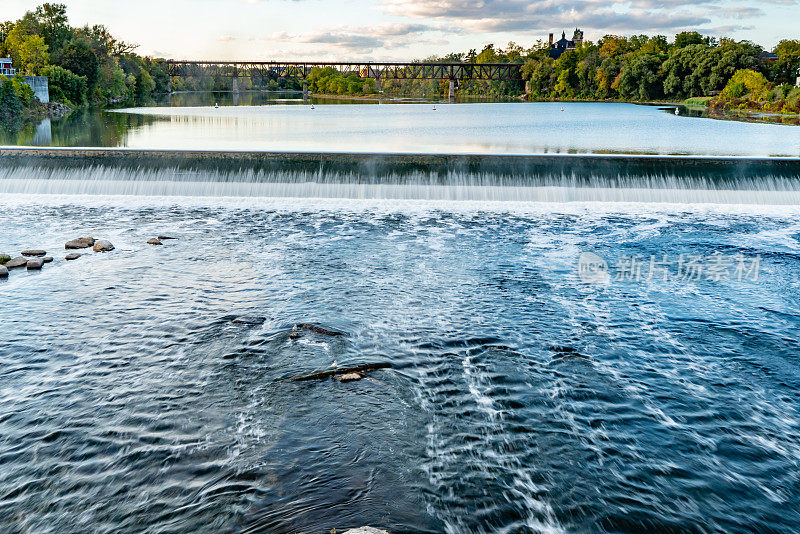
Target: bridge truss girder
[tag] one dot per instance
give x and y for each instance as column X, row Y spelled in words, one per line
column 382, row 71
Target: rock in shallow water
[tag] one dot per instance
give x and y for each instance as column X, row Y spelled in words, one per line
column 3, row 272
column 154, row 241
column 35, row 265
column 351, row 377
column 366, row 530
column 316, row 329
column 249, row 319
column 48, row 259
column 165, row 237
column 81, row 242
column 102, row 245
column 72, row 256
column 17, row 262
column 33, row 252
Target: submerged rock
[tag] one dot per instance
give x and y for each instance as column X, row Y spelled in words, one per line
column 154, row 241
column 294, row 335
column 17, row 262
column 4, row 258
column 48, row 259
column 35, row 265
column 3, row 272
column 366, row 530
column 165, row 237
column 81, row 242
column 34, row 252
column 72, row 256
column 249, row 319
column 103, row 245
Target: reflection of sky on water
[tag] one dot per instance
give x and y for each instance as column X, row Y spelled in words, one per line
column 509, row 128
column 464, row 128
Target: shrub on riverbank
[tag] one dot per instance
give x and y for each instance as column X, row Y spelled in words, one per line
column 65, row 86
column 750, row 90
column 16, row 97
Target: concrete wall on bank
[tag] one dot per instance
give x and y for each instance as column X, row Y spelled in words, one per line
column 40, row 87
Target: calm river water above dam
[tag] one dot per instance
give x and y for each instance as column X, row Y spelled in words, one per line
column 612, row 355
column 499, row 128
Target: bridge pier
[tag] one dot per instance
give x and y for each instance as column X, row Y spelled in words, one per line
column 236, row 85
column 305, row 91
column 169, row 85
column 452, row 92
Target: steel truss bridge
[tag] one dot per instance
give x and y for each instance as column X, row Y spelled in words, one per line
column 379, row 71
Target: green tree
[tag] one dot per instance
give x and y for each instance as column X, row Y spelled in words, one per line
column 639, row 78
column 53, row 26
column 28, row 50
column 785, row 70
column 79, row 58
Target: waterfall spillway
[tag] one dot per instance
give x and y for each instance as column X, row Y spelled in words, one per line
column 373, row 176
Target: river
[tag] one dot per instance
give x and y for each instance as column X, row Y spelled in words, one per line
column 562, row 354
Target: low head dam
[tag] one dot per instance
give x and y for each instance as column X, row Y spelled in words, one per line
column 556, row 177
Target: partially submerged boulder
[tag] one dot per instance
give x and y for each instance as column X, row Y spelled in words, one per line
column 165, row 237
column 17, row 262
column 48, row 259
column 317, row 329
column 34, row 253
column 249, row 320
column 351, row 377
column 102, row 245
column 80, row 243
column 3, row 272
column 72, row 256
column 154, row 241
column 35, row 265
column 366, row 530
column 344, row 372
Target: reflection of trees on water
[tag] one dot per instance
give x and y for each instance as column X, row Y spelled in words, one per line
column 86, row 127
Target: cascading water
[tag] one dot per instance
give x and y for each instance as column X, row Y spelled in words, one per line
column 148, row 182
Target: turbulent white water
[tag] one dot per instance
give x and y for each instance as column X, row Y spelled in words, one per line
column 415, row 186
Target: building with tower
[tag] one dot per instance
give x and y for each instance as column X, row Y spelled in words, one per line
column 562, row 45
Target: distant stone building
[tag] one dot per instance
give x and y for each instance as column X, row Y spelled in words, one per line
column 562, row 45
column 5, row 67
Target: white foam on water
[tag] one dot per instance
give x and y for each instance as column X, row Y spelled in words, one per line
column 94, row 181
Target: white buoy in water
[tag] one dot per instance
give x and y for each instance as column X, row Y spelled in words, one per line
column 216, row 105
column 677, row 111
column 312, row 106
column 562, row 108
column 434, row 107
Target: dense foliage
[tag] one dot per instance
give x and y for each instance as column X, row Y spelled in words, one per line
column 750, row 90
column 331, row 81
column 640, row 68
column 84, row 65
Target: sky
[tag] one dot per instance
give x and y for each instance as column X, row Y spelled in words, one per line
column 383, row 30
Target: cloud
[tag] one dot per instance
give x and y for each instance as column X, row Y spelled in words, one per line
column 492, row 16
column 362, row 39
